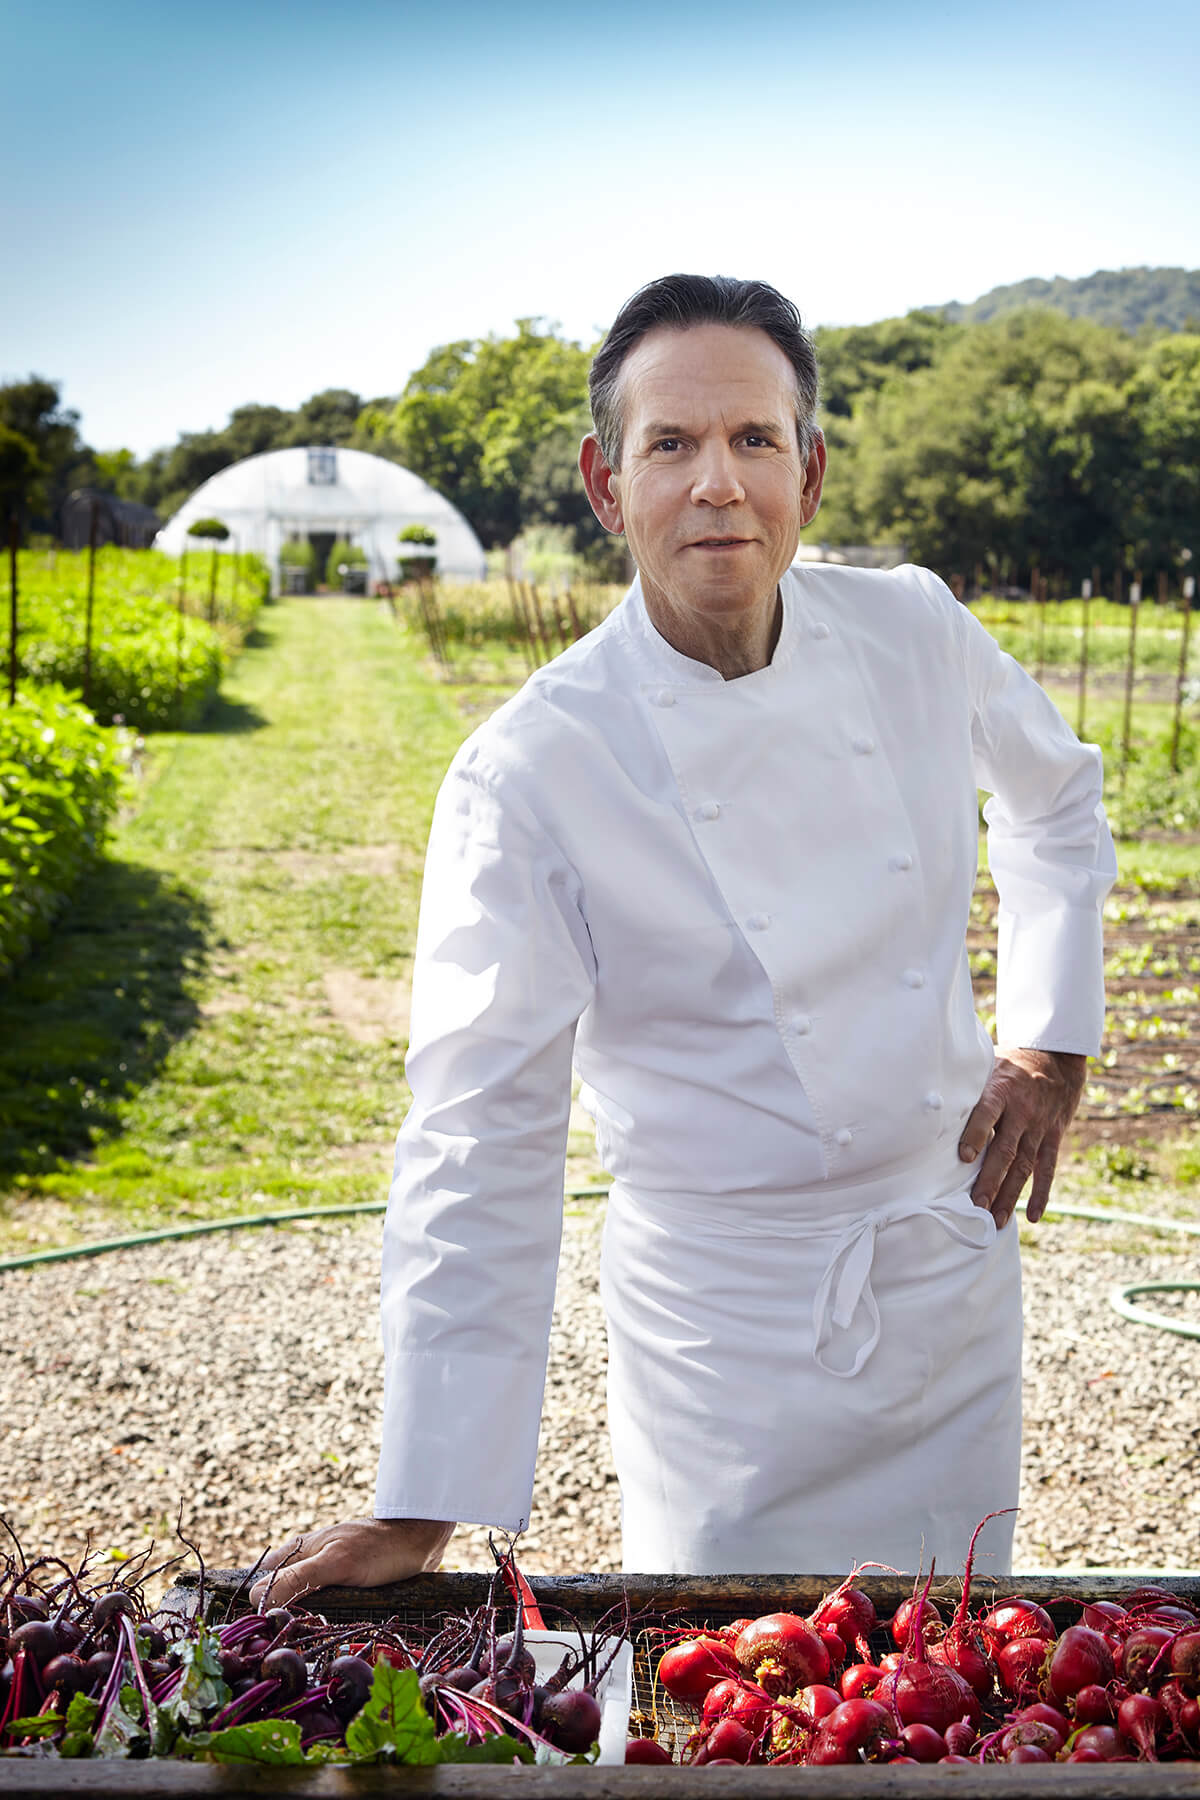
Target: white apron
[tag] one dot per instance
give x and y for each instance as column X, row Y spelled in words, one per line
column 833, row 1381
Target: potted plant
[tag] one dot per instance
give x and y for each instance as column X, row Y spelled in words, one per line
column 417, row 567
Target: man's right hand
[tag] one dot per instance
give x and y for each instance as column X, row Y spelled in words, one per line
column 356, row 1553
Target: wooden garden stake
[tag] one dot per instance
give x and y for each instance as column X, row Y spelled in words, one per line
column 1087, row 588
column 1189, row 589
column 517, row 598
column 91, row 601
column 1135, row 600
column 13, row 537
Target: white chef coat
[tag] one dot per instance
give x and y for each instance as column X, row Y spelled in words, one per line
column 741, row 907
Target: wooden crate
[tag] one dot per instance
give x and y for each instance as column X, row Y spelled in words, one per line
column 693, row 1601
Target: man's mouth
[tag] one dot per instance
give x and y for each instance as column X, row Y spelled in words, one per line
column 718, row 543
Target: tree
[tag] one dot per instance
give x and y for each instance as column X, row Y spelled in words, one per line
column 1003, row 448
column 472, row 417
column 330, row 417
column 20, row 470
column 33, row 410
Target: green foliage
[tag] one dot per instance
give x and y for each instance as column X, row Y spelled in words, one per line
column 32, row 410
column 1166, row 299
column 1031, row 439
column 214, row 529
column 20, row 468
column 60, row 784
column 417, row 534
column 150, row 666
column 471, row 418
column 343, row 552
column 298, row 553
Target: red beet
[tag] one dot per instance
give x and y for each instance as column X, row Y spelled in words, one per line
column 853, row 1726
column 1140, row 1718
column 860, row 1679
column 851, row 1613
column 901, row 1627
column 645, row 1750
column 1080, row 1658
column 1094, row 1706
column 783, row 1652
column 1141, row 1651
column 1101, row 1742
column 1017, row 1618
column 1185, row 1661
column 689, row 1669
column 729, row 1741
column 923, row 1743
column 1020, row 1665
column 817, row 1701
column 1028, row 1753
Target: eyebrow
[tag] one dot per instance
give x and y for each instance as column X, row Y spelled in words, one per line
column 762, row 427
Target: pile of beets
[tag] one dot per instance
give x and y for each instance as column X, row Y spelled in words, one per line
column 1002, row 1686
column 152, row 1679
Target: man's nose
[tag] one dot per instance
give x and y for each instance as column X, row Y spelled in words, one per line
column 716, row 481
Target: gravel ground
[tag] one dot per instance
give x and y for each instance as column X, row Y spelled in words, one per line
column 242, row 1372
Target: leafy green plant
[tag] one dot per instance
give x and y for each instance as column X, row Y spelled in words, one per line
column 412, row 567
column 343, row 553
column 60, row 785
column 215, row 529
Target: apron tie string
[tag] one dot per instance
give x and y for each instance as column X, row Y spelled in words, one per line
column 846, row 1283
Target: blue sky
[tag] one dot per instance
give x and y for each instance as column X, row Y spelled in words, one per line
column 206, row 206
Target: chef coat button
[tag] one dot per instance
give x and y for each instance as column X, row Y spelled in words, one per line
column 863, row 746
column 758, row 921
column 820, row 629
column 901, row 863
column 933, row 1101
column 913, row 978
column 709, row 810
column 664, row 697
column 801, row 1024
column 843, row 1137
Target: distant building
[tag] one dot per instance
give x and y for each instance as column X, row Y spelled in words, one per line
column 324, row 494
column 123, row 522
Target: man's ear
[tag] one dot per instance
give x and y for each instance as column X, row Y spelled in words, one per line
column 599, row 480
column 814, row 476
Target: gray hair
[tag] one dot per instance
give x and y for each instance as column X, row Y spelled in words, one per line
column 678, row 301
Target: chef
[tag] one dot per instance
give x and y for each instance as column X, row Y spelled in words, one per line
column 719, row 858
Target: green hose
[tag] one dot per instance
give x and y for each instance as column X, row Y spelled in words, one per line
column 1141, row 1315
column 1119, row 1297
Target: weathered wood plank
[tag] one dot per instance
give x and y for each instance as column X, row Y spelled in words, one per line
column 180, row 1781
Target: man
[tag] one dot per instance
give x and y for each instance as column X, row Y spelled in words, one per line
column 721, row 853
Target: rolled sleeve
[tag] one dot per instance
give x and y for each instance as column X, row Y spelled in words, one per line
column 502, row 972
column 1050, row 852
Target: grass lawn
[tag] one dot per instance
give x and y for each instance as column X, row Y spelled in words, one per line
column 219, row 1022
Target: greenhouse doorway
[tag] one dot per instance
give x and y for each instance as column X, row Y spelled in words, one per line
column 322, row 543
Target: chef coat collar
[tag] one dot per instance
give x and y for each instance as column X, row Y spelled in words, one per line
column 684, row 671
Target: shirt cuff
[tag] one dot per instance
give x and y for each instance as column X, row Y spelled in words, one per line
column 469, row 1428
column 1050, row 980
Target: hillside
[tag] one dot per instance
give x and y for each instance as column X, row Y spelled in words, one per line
column 1167, row 299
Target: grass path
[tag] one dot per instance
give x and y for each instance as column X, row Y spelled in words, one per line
column 218, row 1025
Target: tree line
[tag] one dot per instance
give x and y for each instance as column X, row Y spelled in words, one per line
column 1029, row 439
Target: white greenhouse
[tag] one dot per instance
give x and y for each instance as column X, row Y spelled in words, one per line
column 322, row 495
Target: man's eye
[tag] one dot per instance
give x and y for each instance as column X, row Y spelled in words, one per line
column 668, row 443
column 754, row 440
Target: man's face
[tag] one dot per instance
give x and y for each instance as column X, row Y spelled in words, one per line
column 712, row 492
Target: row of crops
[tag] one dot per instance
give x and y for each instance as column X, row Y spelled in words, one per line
column 98, row 652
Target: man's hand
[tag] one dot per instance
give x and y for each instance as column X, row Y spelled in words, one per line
column 356, row 1553
column 1019, row 1119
